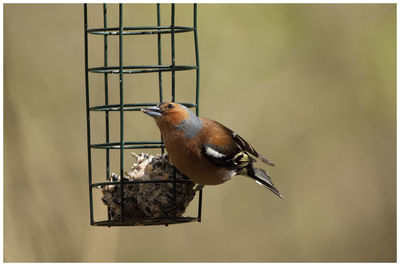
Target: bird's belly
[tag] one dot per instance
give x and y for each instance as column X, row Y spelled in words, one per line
column 205, row 175
column 189, row 160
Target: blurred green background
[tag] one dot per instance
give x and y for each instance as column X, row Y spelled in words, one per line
column 312, row 87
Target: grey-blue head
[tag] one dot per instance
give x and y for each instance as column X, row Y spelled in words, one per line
column 175, row 115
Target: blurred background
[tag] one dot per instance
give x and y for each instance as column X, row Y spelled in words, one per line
column 312, row 87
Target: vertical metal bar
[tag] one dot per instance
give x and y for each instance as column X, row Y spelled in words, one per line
column 173, row 52
column 159, row 62
column 173, row 81
column 106, row 100
column 88, row 114
column 200, row 205
column 159, row 53
column 196, row 45
column 121, row 102
column 106, row 89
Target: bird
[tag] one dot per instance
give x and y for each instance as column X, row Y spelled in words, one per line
column 204, row 150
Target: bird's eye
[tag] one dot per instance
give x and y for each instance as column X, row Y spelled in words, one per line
column 170, row 106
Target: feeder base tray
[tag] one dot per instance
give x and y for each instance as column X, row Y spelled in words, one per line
column 146, row 221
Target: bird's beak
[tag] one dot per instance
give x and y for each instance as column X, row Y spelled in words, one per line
column 153, row 111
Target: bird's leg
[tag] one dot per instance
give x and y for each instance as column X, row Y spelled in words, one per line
column 198, row 187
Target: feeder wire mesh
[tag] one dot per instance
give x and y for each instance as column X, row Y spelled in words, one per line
column 122, row 107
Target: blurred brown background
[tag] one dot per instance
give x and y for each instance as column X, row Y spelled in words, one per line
column 312, row 87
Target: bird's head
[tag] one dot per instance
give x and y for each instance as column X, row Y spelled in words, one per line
column 168, row 113
column 174, row 115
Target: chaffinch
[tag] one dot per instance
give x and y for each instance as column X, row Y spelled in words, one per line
column 204, row 150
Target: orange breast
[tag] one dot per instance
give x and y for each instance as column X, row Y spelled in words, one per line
column 186, row 155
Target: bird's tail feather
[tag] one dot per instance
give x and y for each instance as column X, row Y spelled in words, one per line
column 261, row 177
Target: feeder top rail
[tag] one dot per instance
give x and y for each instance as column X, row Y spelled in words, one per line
column 140, row 30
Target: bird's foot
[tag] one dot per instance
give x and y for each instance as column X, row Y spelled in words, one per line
column 198, row 187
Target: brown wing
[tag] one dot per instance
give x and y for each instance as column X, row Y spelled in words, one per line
column 247, row 147
column 225, row 147
column 219, row 146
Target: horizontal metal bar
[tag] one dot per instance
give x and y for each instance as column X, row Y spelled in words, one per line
column 101, row 184
column 146, row 221
column 129, row 145
column 139, row 30
column 130, row 107
column 139, row 69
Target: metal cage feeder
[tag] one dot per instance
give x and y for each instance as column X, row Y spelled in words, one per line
column 121, row 185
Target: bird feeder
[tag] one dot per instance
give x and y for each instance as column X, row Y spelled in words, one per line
column 151, row 191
